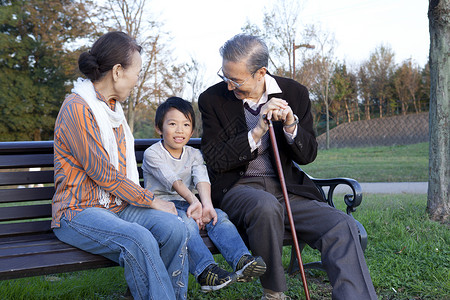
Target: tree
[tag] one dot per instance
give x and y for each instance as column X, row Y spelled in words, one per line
column 424, row 90
column 407, row 84
column 438, row 204
column 364, row 90
column 279, row 30
column 323, row 63
column 344, row 84
column 380, row 68
column 36, row 62
column 195, row 78
column 160, row 77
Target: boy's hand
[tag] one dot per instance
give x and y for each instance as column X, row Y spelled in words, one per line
column 209, row 213
column 163, row 205
column 194, row 211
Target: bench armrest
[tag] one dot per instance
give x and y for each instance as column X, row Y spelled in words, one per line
column 351, row 200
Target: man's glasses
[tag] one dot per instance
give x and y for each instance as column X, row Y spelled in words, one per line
column 233, row 83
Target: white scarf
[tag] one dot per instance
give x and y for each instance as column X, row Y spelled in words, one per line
column 106, row 121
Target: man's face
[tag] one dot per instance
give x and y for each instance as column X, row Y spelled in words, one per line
column 248, row 84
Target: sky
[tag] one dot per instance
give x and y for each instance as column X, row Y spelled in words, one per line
column 199, row 27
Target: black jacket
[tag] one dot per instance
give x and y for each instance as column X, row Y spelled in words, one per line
column 225, row 143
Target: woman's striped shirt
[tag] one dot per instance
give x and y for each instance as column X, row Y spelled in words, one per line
column 82, row 164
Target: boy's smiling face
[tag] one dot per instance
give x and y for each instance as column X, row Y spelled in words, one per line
column 176, row 132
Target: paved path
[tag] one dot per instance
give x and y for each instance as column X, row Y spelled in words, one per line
column 388, row 188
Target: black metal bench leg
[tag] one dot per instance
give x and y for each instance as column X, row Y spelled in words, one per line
column 293, row 267
column 127, row 295
column 293, row 264
column 362, row 235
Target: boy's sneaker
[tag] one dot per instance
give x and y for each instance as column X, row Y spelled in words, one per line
column 214, row 278
column 250, row 267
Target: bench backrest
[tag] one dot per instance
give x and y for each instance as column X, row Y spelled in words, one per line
column 27, row 186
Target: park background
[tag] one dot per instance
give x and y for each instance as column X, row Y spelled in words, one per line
column 41, row 42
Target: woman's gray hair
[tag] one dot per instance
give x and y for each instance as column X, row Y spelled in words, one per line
column 251, row 49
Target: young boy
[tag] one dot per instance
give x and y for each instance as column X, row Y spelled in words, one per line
column 171, row 171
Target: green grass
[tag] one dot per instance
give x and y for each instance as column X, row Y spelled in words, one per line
column 373, row 164
column 408, row 257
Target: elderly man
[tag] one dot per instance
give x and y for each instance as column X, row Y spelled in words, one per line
column 245, row 185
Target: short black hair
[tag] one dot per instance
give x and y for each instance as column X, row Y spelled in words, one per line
column 185, row 107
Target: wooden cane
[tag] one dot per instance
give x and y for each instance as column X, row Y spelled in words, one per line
column 288, row 205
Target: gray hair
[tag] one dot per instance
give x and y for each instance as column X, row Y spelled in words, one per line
column 247, row 48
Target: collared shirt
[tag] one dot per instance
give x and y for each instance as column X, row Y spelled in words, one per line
column 271, row 88
column 82, row 164
column 161, row 170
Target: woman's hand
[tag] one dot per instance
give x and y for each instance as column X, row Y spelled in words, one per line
column 163, row 205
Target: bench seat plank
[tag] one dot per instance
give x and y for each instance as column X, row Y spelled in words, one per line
column 14, row 229
column 26, row 194
column 25, row 212
column 26, row 161
column 45, row 263
column 18, row 178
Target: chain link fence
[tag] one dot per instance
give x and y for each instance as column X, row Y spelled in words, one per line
column 387, row 131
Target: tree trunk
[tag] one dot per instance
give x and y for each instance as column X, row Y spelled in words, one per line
column 328, row 117
column 438, row 205
column 131, row 111
column 380, row 106
column 357, row 113
column 367, row 110
column 131, row 116
column 37, row 134
column 347, row 110
column 415, row 104
column 327, row 135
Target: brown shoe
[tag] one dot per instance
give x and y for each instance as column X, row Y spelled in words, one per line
column 274, row 296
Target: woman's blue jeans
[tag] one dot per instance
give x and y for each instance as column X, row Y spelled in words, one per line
column 149, row 244
column 224, row 235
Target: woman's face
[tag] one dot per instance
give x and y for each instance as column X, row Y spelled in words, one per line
column 127, row 78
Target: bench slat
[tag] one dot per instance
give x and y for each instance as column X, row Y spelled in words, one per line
column 21, row 248
column 25, row 178
column 14, row 229
column 50, row 263
column 26, row 194
column 25, row 212
column 27, row 147
column 26, row 161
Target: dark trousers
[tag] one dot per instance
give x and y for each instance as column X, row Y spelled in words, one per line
column 256, row 206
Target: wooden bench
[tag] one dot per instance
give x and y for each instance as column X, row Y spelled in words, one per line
column 28, row 246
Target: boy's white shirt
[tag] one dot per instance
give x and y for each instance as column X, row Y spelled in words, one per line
column 161, row 170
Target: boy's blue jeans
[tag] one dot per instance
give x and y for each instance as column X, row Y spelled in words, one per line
column 224, row 235
column 149, row 244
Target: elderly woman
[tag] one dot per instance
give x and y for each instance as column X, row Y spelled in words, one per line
column 99, row 205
